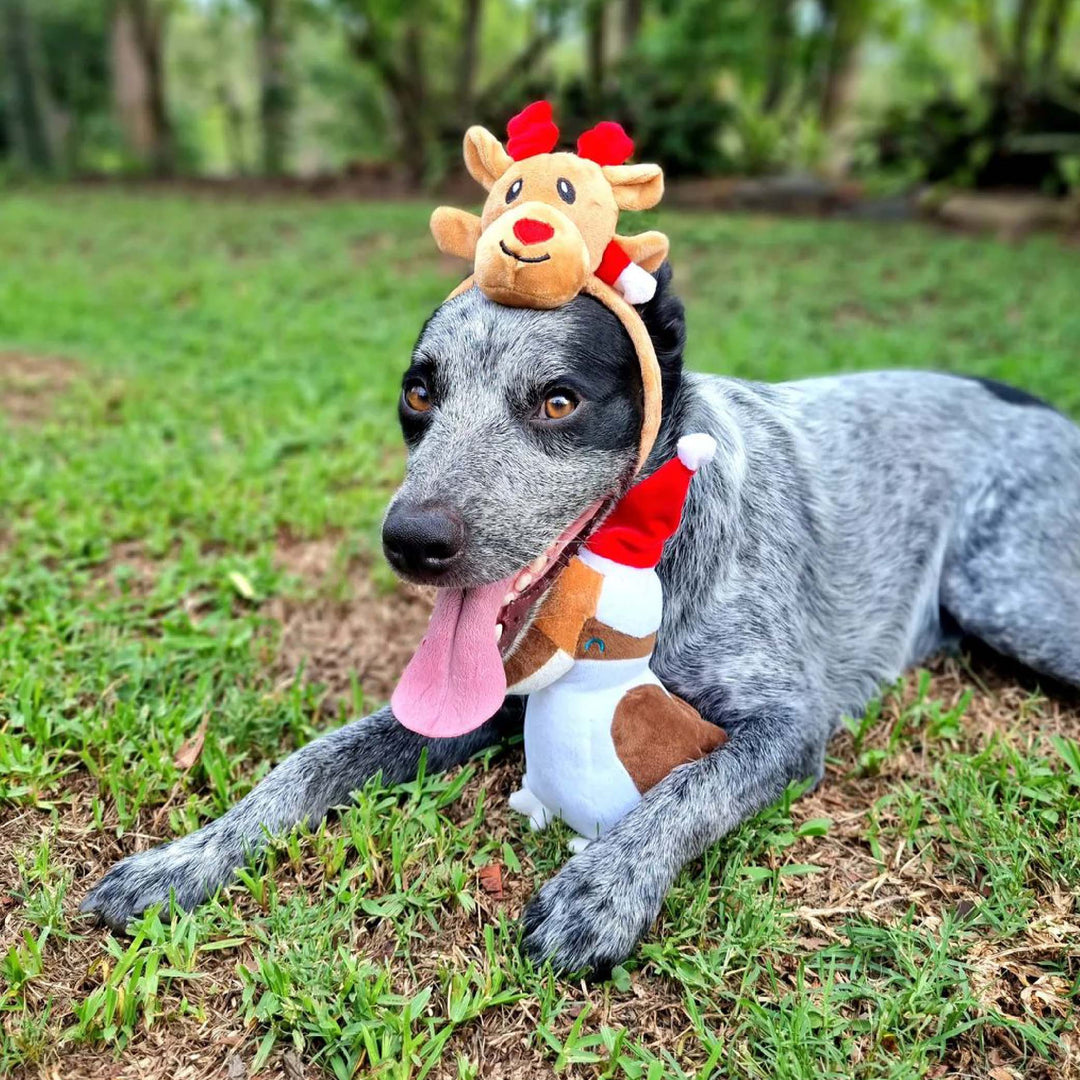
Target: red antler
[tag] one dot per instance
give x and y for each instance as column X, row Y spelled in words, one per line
column 532, row 131
column 606, row 144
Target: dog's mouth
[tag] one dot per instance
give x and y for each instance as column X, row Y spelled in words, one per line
column 532, row 583
column 523, row 258
column 456, row 680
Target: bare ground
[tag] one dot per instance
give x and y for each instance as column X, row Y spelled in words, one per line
column 29, row 385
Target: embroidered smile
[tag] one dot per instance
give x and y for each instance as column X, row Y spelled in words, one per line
column 523, row 258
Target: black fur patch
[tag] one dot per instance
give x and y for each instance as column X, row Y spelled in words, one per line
column 601, row 351
column 1013, row 395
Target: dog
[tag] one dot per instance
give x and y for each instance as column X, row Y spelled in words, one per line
column 850, row 527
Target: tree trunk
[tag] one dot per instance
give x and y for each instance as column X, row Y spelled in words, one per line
column 275, row 93
column 633, row 14
column 1052, row 32
column 841, row 62
column 138, row 79
column 777, row 55
column 595, row 50
column 1018, row 67
column 471, row 15
column 28, row 106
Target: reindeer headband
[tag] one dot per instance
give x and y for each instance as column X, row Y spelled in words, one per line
column 547, row 230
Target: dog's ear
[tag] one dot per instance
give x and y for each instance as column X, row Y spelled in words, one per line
column 665, row 319
column 636, row 187
column 485, row 157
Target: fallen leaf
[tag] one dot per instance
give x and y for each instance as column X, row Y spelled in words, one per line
column 491, row 880
column 237, row 1069
column 189, row 751
column 241, row 584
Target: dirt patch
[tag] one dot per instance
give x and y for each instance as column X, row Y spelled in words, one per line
column 344, row 630
column 29, row 385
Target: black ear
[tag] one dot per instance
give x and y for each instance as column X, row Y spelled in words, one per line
column 665, row 319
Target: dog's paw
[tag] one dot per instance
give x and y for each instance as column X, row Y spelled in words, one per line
column 187, row 870
column 592, row 913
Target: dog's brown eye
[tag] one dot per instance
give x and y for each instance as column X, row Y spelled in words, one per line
column 417, row 397
column 559, row 406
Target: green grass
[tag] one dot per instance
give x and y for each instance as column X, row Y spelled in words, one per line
column 231, row 376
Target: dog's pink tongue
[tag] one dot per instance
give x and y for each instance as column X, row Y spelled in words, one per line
column 455, row 680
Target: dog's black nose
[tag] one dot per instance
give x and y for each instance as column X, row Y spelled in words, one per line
column 423, row 540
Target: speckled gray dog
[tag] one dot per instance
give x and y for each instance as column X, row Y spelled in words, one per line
column 849, row 527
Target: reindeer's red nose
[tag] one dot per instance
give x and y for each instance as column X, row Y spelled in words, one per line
column 531, row 231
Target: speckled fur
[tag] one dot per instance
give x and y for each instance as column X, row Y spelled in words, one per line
column 848, row 528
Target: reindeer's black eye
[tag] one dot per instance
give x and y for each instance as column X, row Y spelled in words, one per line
column 514, row 190
column 565, row 189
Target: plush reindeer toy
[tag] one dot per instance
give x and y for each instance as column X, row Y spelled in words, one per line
column 600, row 728
column 549, row 219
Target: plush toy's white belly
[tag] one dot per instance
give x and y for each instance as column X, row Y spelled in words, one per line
column 570, row 757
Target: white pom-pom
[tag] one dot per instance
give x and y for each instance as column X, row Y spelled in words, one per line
column 696, row 450
column 637, row 285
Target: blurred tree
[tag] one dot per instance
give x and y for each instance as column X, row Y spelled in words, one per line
column 137, row 53
column 468, row 59
column 27, row 92
column 845, row 25
column 408, row 45
column 276, row 95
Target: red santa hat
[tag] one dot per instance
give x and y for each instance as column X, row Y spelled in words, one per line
column 635, row 532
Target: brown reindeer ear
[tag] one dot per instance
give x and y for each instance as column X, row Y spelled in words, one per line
column 456, row 231
column 636, row 187
column 485, row 157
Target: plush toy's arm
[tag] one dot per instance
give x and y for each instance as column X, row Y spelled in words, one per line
column 618, row 269
column 456, row 232
column 647, row 249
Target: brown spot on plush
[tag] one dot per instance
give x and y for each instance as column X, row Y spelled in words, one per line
column 535, row 650
column 572, row 600
column 655, row 731
column 598, row 641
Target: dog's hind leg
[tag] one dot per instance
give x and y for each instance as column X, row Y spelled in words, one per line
column 303, row 787
column 1012, row 575
column 593, row 911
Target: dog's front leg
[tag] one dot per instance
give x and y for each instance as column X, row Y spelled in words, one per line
column 592, row 913
column 303, row 787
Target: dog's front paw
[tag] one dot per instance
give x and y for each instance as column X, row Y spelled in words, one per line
column 592, row 913
column 188, row 869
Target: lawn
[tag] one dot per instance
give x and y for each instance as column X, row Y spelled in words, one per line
column 197, row 437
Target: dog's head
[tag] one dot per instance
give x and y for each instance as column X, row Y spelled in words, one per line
column 523, row 429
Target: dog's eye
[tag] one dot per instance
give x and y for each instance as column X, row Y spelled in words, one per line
column 417, row 396
column 565, row 189
column 560, row 405
column 514, row 190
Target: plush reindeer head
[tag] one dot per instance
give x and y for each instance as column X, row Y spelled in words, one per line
column 549, row 221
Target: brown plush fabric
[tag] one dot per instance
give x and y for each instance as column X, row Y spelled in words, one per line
column 636, row 187
column 485, row 157
column 616, row 645
column 533, row 652
column 456, row 232
column 570, row 602
column 647, row 249
column 655, row 731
